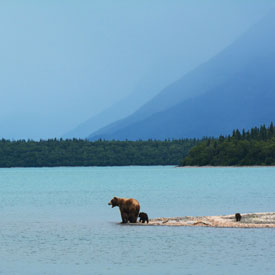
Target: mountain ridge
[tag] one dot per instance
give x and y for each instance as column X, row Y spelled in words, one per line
column 251, row 57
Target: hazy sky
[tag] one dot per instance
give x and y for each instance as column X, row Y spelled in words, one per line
column 63, row 61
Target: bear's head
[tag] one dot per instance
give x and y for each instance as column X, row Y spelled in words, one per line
column 113, row 202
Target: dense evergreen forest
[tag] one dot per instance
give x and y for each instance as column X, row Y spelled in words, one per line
column 254, row 147
column 55, row 152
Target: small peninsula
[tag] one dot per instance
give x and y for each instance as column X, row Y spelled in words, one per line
column 249, row 220
column 243, row 148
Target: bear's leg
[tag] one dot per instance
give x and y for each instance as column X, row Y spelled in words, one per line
column 132, row 219
column 124, row 217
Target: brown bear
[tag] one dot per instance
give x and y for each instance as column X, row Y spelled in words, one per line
column 129, row 208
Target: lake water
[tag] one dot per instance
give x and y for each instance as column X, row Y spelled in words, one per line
column 57, row 221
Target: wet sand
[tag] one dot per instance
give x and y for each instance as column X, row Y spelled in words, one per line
column 249, row 220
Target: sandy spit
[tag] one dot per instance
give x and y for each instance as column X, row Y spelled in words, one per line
column 249, row 220
column 231, row 166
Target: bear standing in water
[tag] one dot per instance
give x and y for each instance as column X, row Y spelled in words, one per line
column 238, row 217
column 143, row 217
column 129, row 208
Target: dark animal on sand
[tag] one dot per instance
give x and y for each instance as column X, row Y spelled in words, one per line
column 129, row 209
column 143, row 217
column 238, row 217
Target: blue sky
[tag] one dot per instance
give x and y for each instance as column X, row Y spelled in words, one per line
column 65, row 61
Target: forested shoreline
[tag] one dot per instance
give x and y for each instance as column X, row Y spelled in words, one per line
column 77, row 152
column 246, row 148
column 252, row 147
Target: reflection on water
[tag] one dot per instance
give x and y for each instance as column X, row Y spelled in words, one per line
column 57, row 221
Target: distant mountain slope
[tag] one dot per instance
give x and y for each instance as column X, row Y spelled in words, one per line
column 117, row 111
column 235, row 89
column 209, row 115
column 146, row 88
column 123, row 108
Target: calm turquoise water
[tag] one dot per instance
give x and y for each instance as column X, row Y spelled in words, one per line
column 57, row 221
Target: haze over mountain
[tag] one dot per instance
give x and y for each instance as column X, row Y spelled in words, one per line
column 146, row 89
column 235, row 89
column 63, row 62
column 183, row 39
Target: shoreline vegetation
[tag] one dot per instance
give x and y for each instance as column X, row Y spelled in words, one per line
column 77, row 152
column 249, row 220
column 252, row 148
column 247, row 148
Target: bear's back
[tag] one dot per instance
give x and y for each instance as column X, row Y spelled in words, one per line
column 129, row 204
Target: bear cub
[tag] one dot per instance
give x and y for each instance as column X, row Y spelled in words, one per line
column 238, row 217
column 143, row 217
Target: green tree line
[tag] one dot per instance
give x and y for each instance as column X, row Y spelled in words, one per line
column 253, row 147
column 77, row 152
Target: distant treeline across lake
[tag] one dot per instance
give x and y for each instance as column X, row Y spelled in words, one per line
column 254, row 147
column 76, row 152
